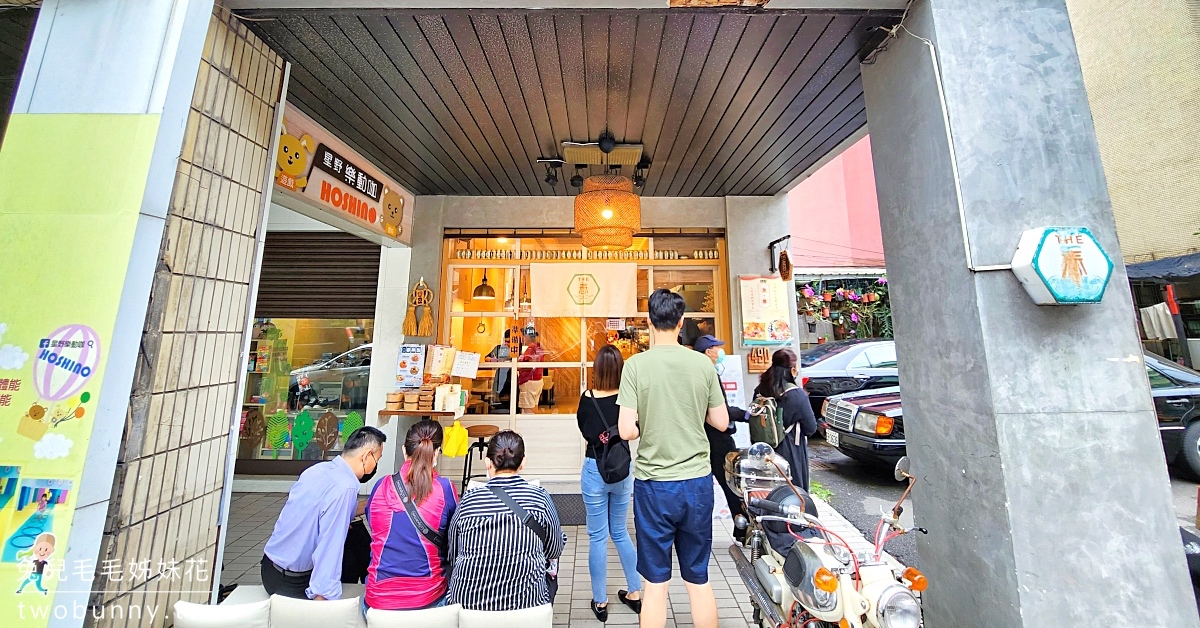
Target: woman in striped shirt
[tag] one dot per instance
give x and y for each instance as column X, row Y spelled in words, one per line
column 406, row 570
column 499, row 562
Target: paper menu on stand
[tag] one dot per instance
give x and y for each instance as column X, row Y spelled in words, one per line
column 439, row 359
column 466, row 364
column 410, row 367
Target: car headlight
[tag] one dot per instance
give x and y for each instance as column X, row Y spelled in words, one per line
column 824, row 407
column 873, row 424
column 898, row 608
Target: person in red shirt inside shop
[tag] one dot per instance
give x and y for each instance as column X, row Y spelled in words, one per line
column 529, row 381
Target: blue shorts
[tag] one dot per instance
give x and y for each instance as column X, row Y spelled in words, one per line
column 678, row 513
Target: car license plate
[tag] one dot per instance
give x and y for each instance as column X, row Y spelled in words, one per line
column 831, row 437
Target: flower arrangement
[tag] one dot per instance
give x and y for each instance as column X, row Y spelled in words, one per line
column 858, row 310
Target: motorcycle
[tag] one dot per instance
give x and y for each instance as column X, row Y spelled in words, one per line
column 802, row 575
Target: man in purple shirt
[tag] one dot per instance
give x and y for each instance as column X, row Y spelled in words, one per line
column 303, row 558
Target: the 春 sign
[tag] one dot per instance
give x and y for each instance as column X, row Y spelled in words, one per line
column 1062, row 266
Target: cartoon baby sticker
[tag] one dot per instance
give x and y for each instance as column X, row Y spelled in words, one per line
column 39, row 557
column 291, row 162
column 31, row 425
column 393, row 212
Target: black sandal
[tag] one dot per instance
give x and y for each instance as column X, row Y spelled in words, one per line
column 601, row 612
column 635, row 605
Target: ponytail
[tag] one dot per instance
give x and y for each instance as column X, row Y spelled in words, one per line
column 420, row 446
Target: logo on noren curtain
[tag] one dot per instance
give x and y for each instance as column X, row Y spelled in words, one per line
column 583, row 289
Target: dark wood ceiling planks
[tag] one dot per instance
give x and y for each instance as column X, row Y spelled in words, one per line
column 16, row 27
column 463, row 102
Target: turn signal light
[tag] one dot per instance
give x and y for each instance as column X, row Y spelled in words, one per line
column 916, row 580
column 884, row 425
column 843, row 623
column 825, row 580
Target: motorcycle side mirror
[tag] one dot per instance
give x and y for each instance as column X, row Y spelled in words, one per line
column 902, row 468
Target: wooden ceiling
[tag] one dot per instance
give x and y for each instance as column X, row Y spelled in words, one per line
column 726, row 102
column 16, row 27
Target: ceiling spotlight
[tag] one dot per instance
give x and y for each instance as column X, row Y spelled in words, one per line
column 639, row 180
column 607, row 142
column 551, row 176
column 577, row 180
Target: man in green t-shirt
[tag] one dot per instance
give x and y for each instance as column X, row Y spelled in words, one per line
column 666, row 396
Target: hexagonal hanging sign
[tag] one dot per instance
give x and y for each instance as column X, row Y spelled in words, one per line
column 583, row 289
column 1062, row 266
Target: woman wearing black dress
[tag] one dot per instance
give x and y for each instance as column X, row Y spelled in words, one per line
column 799, row 422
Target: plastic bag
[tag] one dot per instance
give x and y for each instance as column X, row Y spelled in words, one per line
column 455, row 442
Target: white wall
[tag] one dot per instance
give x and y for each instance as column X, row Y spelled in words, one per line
column 280, row 218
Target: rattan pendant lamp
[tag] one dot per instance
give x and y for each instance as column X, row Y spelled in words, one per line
column 607, row 212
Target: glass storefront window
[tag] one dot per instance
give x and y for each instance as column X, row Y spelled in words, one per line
column 568, row 345
column 631, row 337
column 489, row 336
column 696, row 286
column 559, row 338
column 643, row 289
column 306, row 387
column 469, row 294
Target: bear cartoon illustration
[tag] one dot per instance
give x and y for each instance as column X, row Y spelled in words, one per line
column 292, row 160
column 393, row 212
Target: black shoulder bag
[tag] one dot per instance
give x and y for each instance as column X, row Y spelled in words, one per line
column 613, row 456
column 533, row 524
column 431, row 535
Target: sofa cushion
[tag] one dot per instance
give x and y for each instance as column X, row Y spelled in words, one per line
column 445, row 617
column 536, row 617
column 252, row 615
column 247, row 594
column 292, row 613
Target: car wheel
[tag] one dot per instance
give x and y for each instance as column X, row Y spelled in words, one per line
column 1191, row 448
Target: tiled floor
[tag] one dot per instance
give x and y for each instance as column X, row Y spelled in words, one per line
column 252, row 517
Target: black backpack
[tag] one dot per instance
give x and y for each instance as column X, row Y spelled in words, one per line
column 612, row 456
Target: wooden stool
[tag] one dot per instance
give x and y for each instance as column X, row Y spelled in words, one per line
column 480, row 433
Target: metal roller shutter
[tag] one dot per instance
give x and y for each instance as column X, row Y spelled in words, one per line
column 317, row 274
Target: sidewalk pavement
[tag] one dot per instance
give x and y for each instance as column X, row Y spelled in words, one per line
column 252, row 517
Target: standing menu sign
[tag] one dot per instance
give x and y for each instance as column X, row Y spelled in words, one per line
column 766, row 311
column 410, row 367
column 315, row 165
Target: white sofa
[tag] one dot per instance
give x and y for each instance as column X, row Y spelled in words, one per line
column 251, row 607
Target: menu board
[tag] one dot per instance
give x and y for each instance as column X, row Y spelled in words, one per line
column 439, row 360
column 410, row 368
column 766, row 311
column 466, row 364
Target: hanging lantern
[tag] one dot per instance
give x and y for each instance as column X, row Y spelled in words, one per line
column 607, row 212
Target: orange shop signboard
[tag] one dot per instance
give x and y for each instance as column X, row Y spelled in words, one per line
column 320, row 168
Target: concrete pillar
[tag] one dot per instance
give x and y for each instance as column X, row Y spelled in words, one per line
column 391, row 303
column 1042, row 478
column 751, row 222
column 87, row 169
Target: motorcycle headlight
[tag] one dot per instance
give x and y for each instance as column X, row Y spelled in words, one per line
column 873, row 424
column 898, row 608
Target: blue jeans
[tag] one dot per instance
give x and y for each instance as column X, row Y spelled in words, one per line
column 607, row 507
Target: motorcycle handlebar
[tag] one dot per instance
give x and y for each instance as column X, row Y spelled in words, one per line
column 765, row 505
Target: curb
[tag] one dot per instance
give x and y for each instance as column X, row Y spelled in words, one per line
column 839, row 525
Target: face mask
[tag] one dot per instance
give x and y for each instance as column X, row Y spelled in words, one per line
column 720, row 356
column 367, row 477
